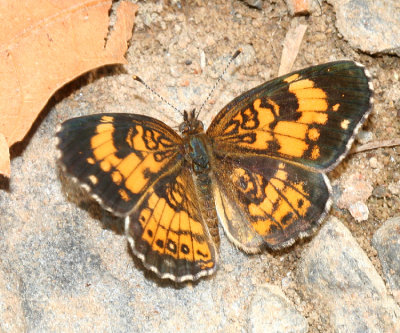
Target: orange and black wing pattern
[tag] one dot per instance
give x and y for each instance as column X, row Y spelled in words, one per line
column 271, row 145
column 117, row 157
column 268, row 202
column 308, row 117
column 166, row 230
column 134, row 166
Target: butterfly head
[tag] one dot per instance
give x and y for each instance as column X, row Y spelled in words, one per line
column 191, row 125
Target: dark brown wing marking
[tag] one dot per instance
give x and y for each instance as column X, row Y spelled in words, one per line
column 308, row 117
column 117, row 156
column 167, row 232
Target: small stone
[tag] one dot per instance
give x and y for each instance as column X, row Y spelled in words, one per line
column 380, row 191
column 300, row 7
column 184, row 40
column 177, row 28
column 286, row 281
column 271, row 311
column 356, row 189
column 254, row 3
column 394, row 188
column 374, row 164
column 337, row 275
column 359, row 211
column 364, row 136
column 386, row 241
column 210, row 41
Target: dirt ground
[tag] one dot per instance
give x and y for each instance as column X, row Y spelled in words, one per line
column 166, row 51
column 181, row 47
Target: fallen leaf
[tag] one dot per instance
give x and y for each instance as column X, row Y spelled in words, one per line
column 44, row 46
column 291, row 46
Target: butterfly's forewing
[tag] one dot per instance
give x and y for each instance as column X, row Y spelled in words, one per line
column 167, row 232
column 271, row 144
column 117, row 156
column 307, row 117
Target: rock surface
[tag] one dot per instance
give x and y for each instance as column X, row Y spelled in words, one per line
column 272, row 312
column 368, row 25
column 387, row 242
column 339, row 277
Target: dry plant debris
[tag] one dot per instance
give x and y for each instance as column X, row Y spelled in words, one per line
column 42, row 47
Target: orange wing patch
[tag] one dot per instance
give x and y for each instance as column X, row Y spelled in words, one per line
column 173, row 232
column 279, row 202
column 168, row 225
column 267, row 202
column 150, row 153
column 117, row 156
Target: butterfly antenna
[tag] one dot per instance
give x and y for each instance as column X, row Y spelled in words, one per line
column 137, row 78
column 234, row 56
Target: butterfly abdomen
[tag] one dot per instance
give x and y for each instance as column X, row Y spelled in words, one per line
column 198, row 155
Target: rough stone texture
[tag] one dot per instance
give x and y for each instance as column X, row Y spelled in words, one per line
column 272, row 312
column 65, row 264
column 356, row 188
column 11, row 311
column 359, row 211
column 355, row 191
column 371, row 26
column 387, row 242
column 338, row 275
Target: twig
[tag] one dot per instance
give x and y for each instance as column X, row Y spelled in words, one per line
column 376, row 145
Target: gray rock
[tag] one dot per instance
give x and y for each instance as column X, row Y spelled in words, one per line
column 387, row 242
column 371, row 26
column 271, row 311
column 254, row 3
column 11, row 314
column 338, row 276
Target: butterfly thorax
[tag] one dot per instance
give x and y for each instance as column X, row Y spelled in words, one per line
column 197, row 156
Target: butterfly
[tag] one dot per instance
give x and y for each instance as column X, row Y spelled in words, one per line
column 259, row 169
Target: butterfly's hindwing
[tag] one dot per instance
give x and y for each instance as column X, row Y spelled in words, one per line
column 166, row 230
column 270, row 200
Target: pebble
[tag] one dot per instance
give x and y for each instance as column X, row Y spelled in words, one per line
column 394, row 188
column 254, row 3
column 380, row 191
column 364, row 136
column 374, row 164
column 359, row 211
column 356, row 189
column 338, row 276
column 300, row 7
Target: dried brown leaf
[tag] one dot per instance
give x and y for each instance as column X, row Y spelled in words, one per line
column 42, row 47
